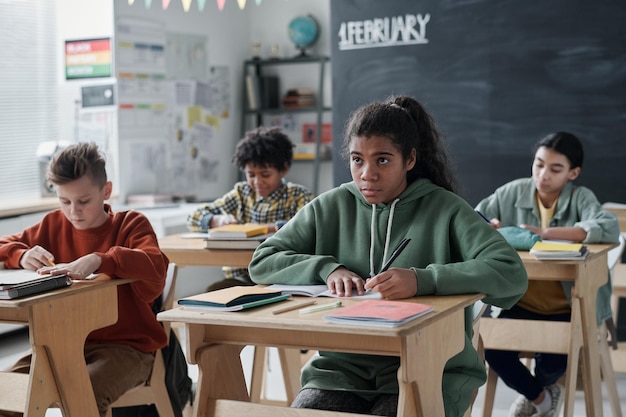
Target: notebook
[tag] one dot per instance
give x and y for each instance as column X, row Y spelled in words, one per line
column 236, row 243
column 16, row 284
column 233, row 299
column 379, row 313
column 316, row 290
column 237, row 231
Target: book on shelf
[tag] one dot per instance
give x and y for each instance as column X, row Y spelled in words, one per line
column 316, row 290
column 378, row 313
column 558, row 250
column 299, row 97
column 309, row 131
column 22, row 282
column 262, row 92
column 230, row 231
column 236, row 243
column 233, row 299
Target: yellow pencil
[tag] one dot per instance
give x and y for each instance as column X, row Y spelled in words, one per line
column 51, row 262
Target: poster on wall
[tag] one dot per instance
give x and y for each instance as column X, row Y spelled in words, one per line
column 87, row 58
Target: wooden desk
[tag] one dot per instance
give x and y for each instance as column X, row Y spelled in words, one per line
column 424, row 346
column 579, row 335
column 191, row 252
column 59, row 323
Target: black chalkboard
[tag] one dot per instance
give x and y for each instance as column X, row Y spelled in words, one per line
column 497, row 76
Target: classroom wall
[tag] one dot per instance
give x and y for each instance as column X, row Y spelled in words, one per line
column 229, row 34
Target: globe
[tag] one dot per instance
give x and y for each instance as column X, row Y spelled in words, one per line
column 303, row 32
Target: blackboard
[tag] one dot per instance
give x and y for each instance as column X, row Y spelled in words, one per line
column 496, row 75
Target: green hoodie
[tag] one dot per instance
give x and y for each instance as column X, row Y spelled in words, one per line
column 452, row 251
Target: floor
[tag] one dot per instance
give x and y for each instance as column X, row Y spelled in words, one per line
column 11, row 345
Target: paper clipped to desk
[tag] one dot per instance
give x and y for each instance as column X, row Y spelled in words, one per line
column 320, row 290
column 237, row 231
column 232, row 299
column 379, row 313
column 557, row 250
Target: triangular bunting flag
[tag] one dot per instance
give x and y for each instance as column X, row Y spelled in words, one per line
column 242, row 4
column 186, row 5
column 148, row 3
column 201, row 4
column 130, row 2
column 166, row 4
column 258, row 2
column 220, row 4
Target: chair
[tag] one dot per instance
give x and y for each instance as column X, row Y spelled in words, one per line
column 618, row 277
column 154, row 391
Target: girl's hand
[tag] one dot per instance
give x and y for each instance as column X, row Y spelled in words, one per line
column 36, row 258
column 342, row 281
column 394, row 284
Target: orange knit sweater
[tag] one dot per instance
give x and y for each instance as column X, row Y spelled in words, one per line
column 128, row 248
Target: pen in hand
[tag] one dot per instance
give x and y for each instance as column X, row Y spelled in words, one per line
column 483, row 216
column 403, row 243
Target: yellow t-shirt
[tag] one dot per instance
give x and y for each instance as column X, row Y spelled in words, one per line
column 545, row 297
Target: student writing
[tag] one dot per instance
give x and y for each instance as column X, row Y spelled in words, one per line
column 85, row 236
column 264, row 155
column 552, row 206
column 402, row 187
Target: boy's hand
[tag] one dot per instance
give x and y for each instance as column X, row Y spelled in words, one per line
column 222, row 220
column 36, row 258
column 81, row 268
column 394, row 284
column 341, row 282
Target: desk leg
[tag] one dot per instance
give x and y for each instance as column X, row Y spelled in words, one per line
column 219, row 377
column 573, row 357
column 58, row 332
column 593, row 275
column 423, row 358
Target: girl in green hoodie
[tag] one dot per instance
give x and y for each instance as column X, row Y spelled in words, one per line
column 402, row 187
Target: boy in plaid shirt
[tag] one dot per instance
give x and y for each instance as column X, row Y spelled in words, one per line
column 265, row 156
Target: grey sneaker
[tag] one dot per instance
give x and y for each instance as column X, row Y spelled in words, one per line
column 556, row 392
column 522, row 407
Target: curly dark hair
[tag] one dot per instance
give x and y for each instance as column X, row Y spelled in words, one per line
column 265, row 147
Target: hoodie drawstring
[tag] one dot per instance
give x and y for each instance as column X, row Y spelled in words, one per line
column 387, row 236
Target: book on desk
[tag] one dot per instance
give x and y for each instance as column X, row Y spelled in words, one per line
column 558, row 250
column 230, row 231
column 235, row 242
column 379, row 313
column 232, row 299
column 23, row 282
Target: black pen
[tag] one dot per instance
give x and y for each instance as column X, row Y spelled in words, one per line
column 483, row 216
column 395, row 254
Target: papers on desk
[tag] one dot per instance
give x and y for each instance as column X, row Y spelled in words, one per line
column 232, row 299
column 558, row 251
column 15, row 283
column 379, row 313
column 316, row 291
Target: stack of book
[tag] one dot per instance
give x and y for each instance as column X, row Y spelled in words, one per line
column 299, row 97
column 379, row 313
column 236, row 236
column 555, row 250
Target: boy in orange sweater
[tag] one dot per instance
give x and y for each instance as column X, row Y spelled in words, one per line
column 83, row 237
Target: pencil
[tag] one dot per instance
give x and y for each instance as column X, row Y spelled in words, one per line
column 51, row 262
column 293, row 307
column 320, row 307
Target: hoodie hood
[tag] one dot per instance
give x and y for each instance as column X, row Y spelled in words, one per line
column 414, row 191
